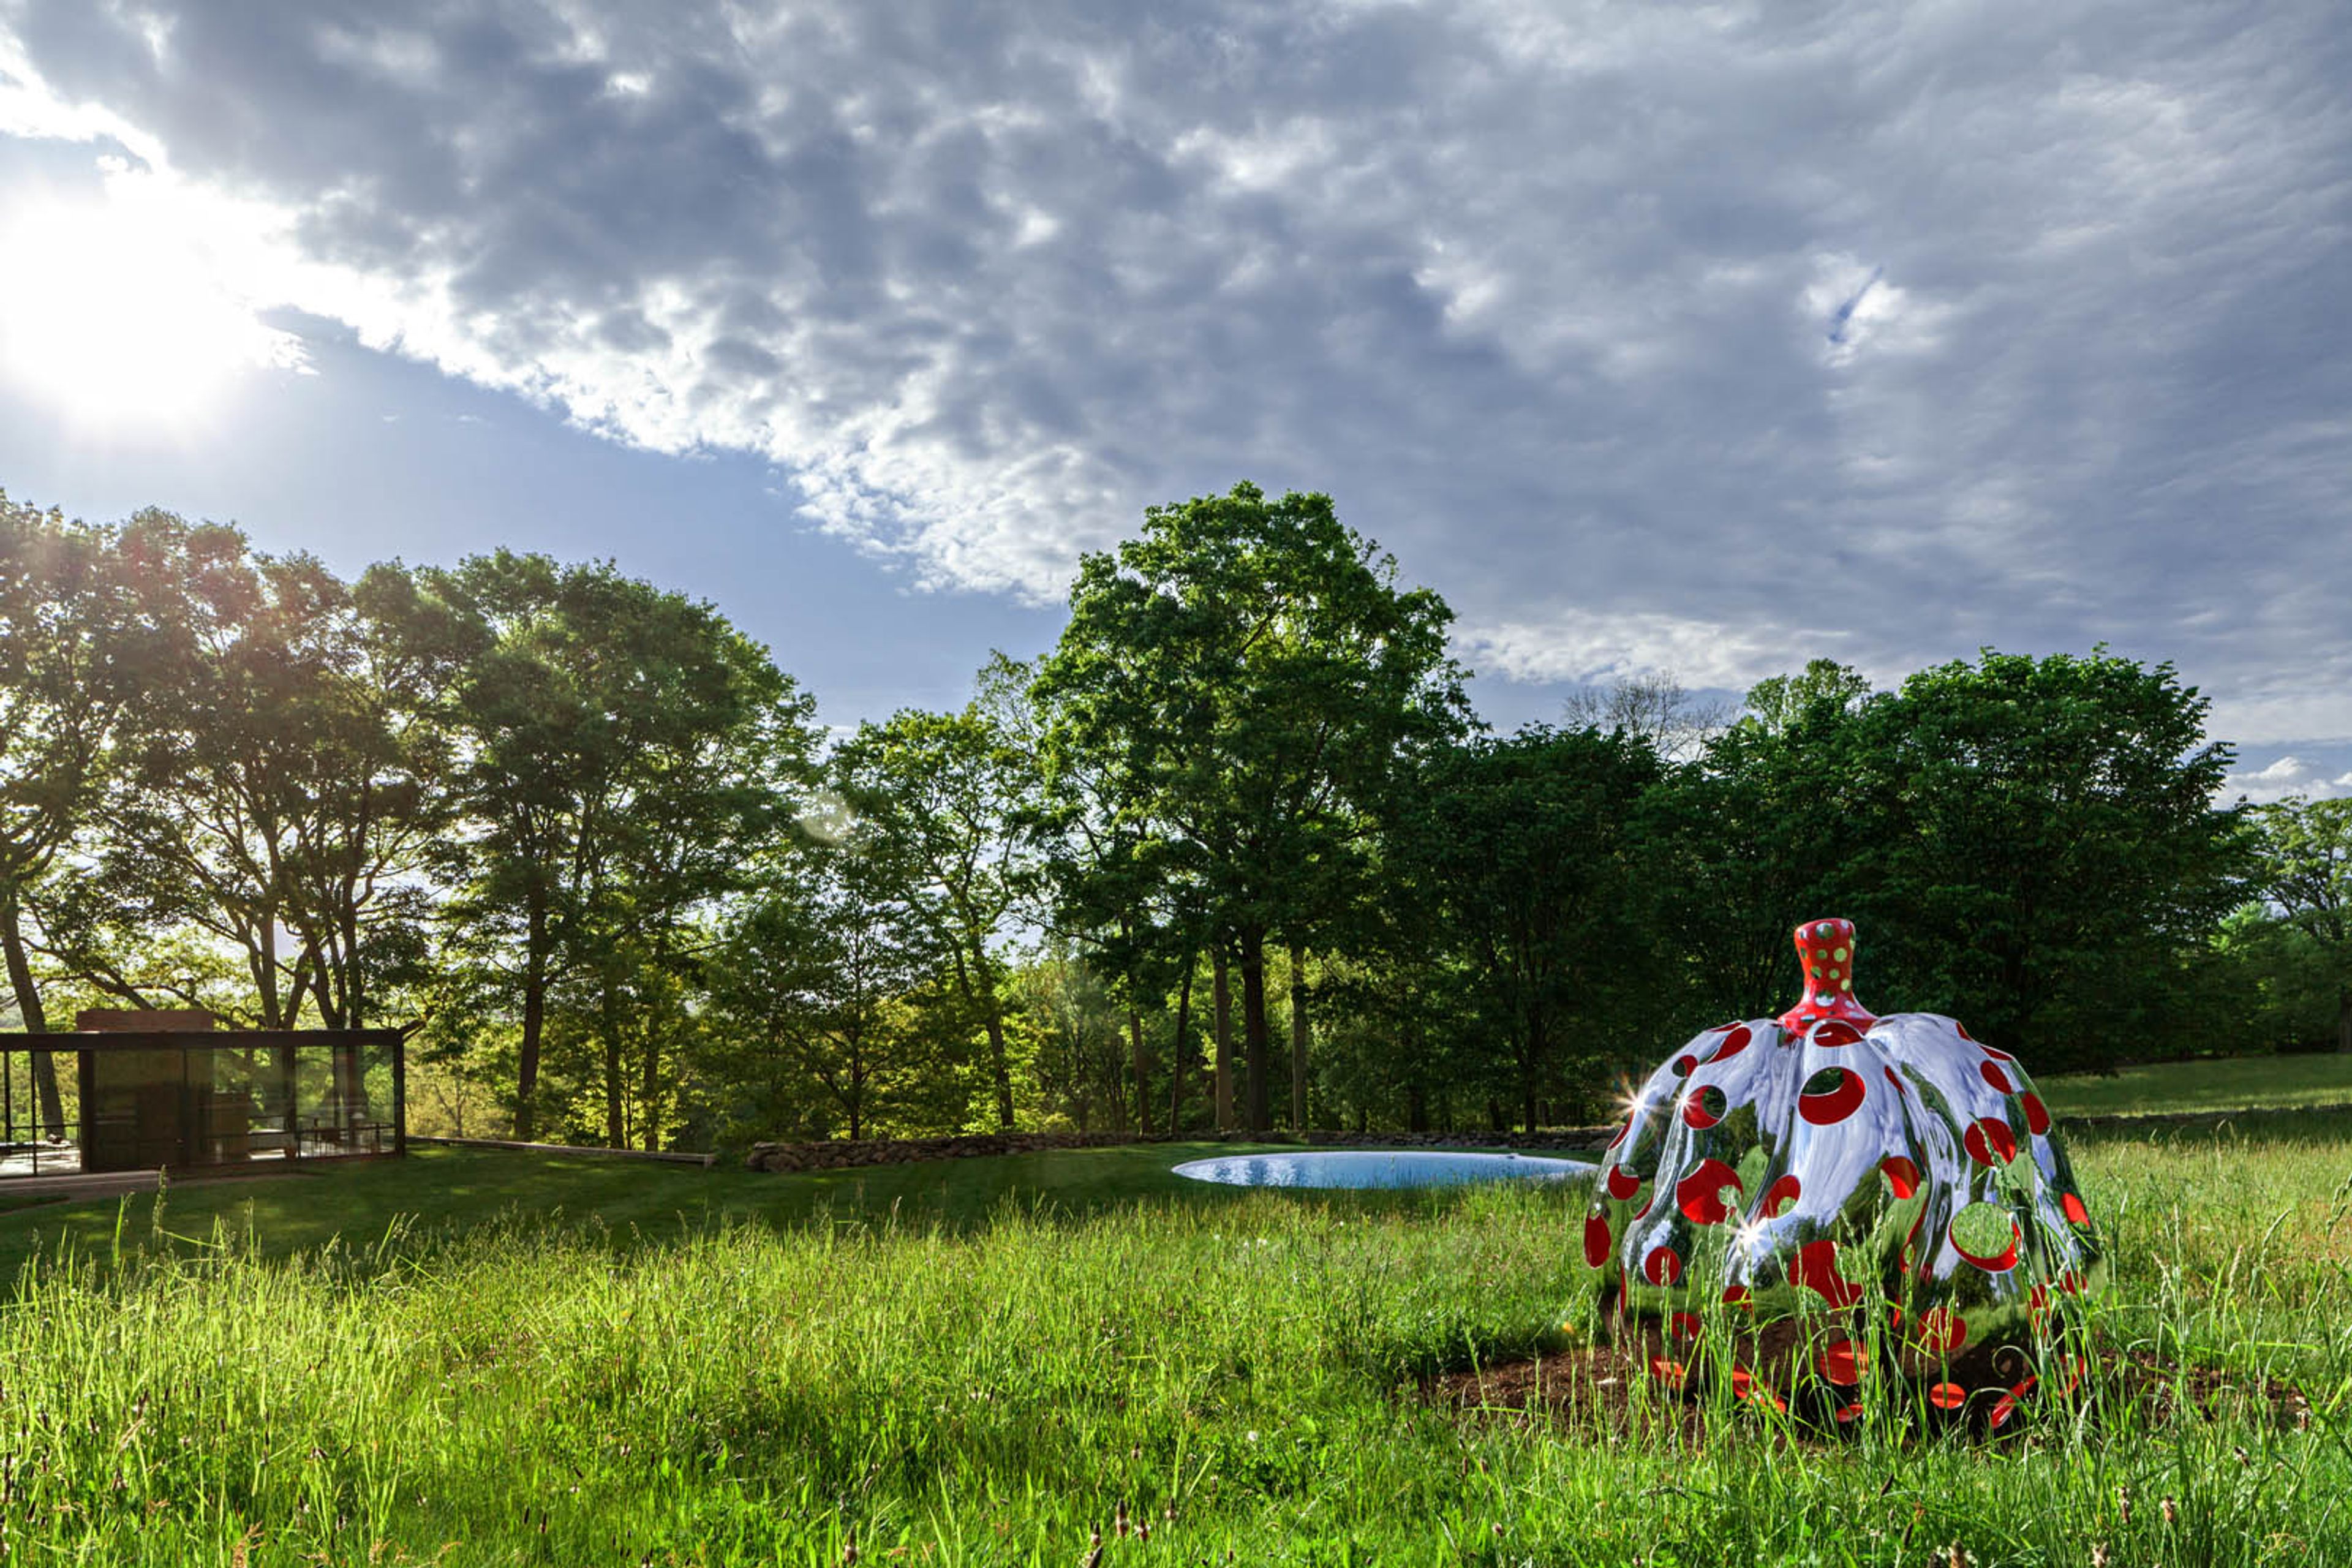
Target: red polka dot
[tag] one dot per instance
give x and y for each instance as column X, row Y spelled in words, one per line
column 1747, row 1385
column 1704, row 1106
column 1622, row 1182
column 1841, row 1364
column 1779, row 1196
column 1663, row 1265
column 1622, row 1131
column 1815, row 1266
column 1670, row 1373
column 1684, row 1325
column 1836, row 1031
column 2005, row 1406
column 1700, row 1194
column 1992, row 1263
column 1990, row 1072
column 1990, row 1142
column 2074, row 1209
column 1683, row 1067
column 1902, row 1175
column 1828, row 1101
column 1596, row 1240
column 1941, row 1330
column 1948, row 1396
column 1738, row 1297
column 1847, row 1415
column 1733, row 1043
column 1895, row 1082
column 1963, row 1030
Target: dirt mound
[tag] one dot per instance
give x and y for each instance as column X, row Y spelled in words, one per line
column 1634, row 1384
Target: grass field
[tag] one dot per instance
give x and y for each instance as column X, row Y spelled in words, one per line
column 575, row 1363
column 2227, row 1084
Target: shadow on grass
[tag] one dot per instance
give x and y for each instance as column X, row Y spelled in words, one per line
column 438, row 1195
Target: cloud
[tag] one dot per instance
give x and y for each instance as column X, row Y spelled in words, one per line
column 2285, row 777
column 1717, row 336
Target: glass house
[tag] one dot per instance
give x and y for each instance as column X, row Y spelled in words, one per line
column 148, row 1091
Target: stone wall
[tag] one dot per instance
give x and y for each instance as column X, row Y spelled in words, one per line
column 836, row 1153
column 1565, row 1140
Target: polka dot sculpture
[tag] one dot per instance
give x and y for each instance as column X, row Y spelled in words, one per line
column 1826, row 1164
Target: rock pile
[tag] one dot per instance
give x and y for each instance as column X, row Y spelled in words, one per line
column 1571, row 1139
column 838, row 1153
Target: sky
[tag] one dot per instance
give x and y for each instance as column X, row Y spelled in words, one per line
column 1702, row 339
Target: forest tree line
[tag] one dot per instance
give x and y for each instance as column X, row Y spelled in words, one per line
column 1233, row 854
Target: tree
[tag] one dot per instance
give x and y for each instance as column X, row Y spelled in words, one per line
column 76, row 653
column 955, row 800
column 275, row 794
column 1653, row 707
column 2305, row 871
column 833, row 976
column 1249, row 683
column 1779, row 702
column 1534, row 844
column 626, row 754
column 2042, row 850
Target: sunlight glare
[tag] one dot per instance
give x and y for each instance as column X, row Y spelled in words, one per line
column 116, row 314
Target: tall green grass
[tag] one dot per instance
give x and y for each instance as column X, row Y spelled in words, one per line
column 1241, row 1374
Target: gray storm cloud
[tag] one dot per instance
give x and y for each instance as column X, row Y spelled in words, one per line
column 1719, row 338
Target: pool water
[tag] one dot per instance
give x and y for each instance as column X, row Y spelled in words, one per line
column 1378, row 1168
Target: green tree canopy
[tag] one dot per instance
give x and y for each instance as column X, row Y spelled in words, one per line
column 1248, row 684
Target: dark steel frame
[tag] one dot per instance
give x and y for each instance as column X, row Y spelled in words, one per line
column 348, row 1047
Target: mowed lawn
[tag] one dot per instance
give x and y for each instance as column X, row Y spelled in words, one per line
column 2227, row 1084
column 495, row 1358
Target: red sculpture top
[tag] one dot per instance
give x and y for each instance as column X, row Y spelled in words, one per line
column 1825, row 949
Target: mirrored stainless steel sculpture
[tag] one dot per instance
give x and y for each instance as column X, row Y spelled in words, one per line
column 1890, row 1187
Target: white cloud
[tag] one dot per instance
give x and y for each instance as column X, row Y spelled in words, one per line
column 2286, row 777
column 1701, row 653
column 1705, row 338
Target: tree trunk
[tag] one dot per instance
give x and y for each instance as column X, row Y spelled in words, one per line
column 616, row 1124
column 1298, row 1039
column 1532, row 1078
column 1176, row 1056
column 1222, row 999
column 1257, row 1047
column 997, row 1065
column 534, row 1023
column 37, row 1022
column 1142, row 1073
column 649, row 1089
column 1416, row 1091
column 355, row 981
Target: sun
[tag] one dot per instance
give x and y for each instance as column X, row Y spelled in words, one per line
column 115, row 313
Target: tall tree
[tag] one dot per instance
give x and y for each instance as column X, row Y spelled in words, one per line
column 278, row 793
column 2304, row 871
column 956, row 801
column 1250, row 683
column 81, row 639
column 1535, row 844
column 2046, row 852
column 624, row 750
column 831, row 973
